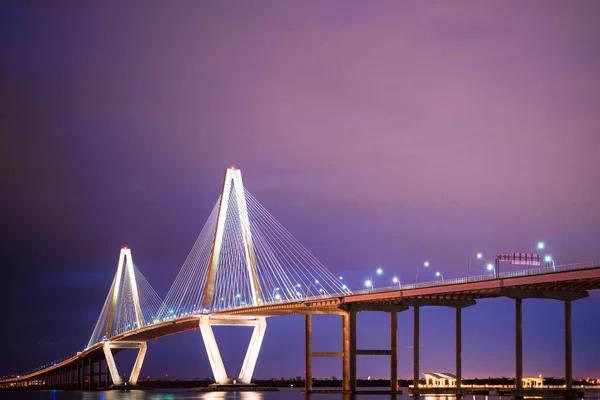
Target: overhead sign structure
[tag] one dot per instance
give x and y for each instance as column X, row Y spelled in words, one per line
column 521, row 258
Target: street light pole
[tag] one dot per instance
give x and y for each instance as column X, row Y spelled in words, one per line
column 490, row 267
column 479, row 255
column 549, row 260
column 440, row 275
column 425, row 264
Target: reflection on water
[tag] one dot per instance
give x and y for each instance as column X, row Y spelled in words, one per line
column 183, row 394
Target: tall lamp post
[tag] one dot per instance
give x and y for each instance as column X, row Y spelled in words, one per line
column 548, row 259
column 490, row 267
column 396, row 280
column 479, row 255
column 425, row 264
column 439, row 274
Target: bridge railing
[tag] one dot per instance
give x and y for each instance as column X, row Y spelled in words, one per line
column 487, row 277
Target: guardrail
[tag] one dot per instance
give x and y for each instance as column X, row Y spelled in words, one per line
column 487, row 277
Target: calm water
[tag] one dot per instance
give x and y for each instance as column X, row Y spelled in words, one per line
column 179, row 394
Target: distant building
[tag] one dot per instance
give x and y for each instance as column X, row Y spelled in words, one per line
column 439, row 379
column 532, row 382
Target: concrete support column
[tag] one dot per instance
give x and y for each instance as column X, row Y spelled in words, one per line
column 393, row 351
column 308, row 352
column 416, row 350
column 352, row 316
column 568, row 347
column 99, row 373
column 91, row 375
column 80, row 374
column 519, row 344
column 107, row 374
column 458, row 347
column 346, row 351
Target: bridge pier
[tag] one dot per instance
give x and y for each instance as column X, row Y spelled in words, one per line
column 416, row 304
column 346, row 350
column 519, row 344
column 568, row 347
column 212, row 349
column 458, row 348
column 416, row 345
column 566, row 297
column 91, row 375
column 111, row 366
column 348, row 353
column 349, row 348
column 308, row 353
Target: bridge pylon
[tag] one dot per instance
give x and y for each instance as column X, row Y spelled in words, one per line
column 232, row 186
column 123, row 313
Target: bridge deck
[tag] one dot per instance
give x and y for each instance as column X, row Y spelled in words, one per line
column 552, row 285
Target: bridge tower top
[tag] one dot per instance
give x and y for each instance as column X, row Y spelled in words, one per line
column 131, row 302
column 124, row 267
column 232, row 186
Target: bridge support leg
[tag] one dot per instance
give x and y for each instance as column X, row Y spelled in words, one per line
column 568, row 347
column 393, row 351
column 352, row 317
column 212, row 349
column 416, row 351
column 308, row 352
column 519, row 344
column 91, row 377
column 112, row 367
column 458, row 348
column 99, row 373
column 346, row 351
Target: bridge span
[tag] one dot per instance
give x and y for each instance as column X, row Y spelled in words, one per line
column 245, row 267
column 565, row 283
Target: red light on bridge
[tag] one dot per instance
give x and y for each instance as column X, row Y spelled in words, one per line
column 124, row 247
column 232, row 167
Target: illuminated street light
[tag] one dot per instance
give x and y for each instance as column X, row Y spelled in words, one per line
column 379, row 271
column 440, row 275
column 396, row 280
column 549, row 260
column 539, row 246
column 490, row 267
column 368, row 283
column 425, row 264
column 479, row 256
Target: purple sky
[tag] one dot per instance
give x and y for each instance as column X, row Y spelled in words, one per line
column 379, row 133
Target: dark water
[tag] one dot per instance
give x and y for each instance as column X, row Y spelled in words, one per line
column 180, row 394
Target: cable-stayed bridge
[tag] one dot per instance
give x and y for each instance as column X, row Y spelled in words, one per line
column 245, row 266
